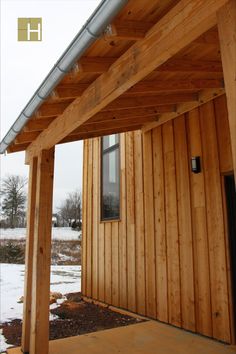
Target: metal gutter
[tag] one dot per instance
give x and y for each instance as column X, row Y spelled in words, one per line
column 90, row 32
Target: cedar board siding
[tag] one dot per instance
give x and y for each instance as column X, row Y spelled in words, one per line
column 167, row 257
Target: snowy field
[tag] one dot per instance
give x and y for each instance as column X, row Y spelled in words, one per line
column 58, row 233
column 64, row 279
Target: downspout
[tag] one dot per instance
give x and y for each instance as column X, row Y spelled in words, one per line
column 89, row 33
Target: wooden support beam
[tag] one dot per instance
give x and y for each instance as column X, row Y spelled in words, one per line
column 38, row 124
column 109, row 124
column 16, row 148
column 149, row 101
column 70, row 90
column 178, row 28
column 53, row 109
column 39, row 336
column 227, row 33
column 131, row 113
column 127, row 30
column 26, row 137
column 193, row 66
column 95, row 65
column 158, row 86
column 26, row 324
column 109, row 131
column 145, row 87
column 210, row 37
column 100, row 65
column 203, row 97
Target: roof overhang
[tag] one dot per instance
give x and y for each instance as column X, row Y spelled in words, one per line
column 141, row 67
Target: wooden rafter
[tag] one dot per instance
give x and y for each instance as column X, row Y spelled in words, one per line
column 95, row 65
column 38, row 124
column 204, row 96
column 148, row 101
column 85, row 135
column 186, row 22
column 96, row 126
column 26, row 137
column 128, row 30
column 53, row 109
column 131, row 113
column 99, row 65
column 144, row 87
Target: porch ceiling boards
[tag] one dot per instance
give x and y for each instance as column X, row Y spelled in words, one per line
column 143, row 338
column 188, row 79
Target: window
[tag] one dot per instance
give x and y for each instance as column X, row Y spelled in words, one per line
column 110, row 193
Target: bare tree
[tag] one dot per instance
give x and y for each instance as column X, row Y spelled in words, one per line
column 13, row 197
column 70, row 210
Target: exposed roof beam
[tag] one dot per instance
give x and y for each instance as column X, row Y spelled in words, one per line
column 82, row 136
column 95, row 65
column 99, row 65
column 16, row 148
column 128, row 30
column 38, row 124
column 210, row 37
column 204, row 96
column 53, row 109
column 130, row 113
column 148, row 101
column 193, row 66
column 96, row 126
column 144, row 87
column 178, row 28
column 26, row 137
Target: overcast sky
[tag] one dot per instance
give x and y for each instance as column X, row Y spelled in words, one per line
column 24, row 66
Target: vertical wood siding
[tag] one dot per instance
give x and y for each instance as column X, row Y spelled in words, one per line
column 167, row 256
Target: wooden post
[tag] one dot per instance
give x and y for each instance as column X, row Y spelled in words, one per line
column 226, row 17
column 29, row 256
column 39, row 336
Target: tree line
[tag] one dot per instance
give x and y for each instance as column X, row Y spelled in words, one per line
column 14, row 202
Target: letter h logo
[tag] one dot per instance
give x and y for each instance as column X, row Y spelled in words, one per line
column 30, row 29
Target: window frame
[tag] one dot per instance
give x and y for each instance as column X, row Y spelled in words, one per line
column 103, row 153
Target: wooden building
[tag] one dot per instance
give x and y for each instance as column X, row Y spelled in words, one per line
column 154, row 99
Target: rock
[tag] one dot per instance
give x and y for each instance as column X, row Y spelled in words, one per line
column 56, row 295
column 74, row 297
column 21, row 300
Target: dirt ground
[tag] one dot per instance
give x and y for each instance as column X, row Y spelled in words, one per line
column 64, row 252
column 74, row 317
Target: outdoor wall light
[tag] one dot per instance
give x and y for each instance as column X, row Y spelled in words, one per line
column 196, row 164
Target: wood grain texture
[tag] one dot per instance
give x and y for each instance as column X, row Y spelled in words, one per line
column 166, row 256
column 199, row 230
column 227, row 34
column 185, row 225
column 172, row 235
column 26, row 324
column 186, row 22
column 130, row 213
column 149, row 226
column 39, row 336
column 160, row 226
column 139, row 224
column 215, row 225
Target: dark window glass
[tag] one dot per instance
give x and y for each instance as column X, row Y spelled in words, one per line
column 110, row 201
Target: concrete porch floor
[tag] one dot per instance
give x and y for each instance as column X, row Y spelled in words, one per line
column 144, row 338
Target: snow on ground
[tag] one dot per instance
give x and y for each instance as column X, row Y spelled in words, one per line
column 64, row 279
column 58, row 233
